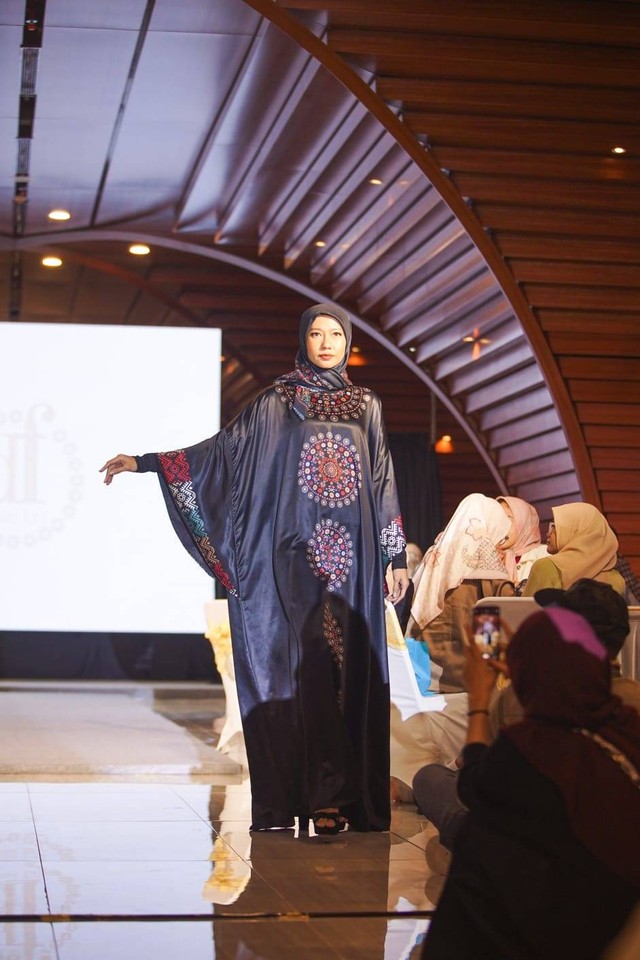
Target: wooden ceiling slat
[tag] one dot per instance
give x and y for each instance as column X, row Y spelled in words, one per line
column 561, row 487
column 358, row 249
column 624, row 522
column 554, row 464
column 516, row 247
column 619, row 501
column 480, row 284
column 612, row 435
column 407, row 259
column 319, row 207
column 617, row 479
column 438, row 339
column 574, row 296
column 537, row 423
column 615, row 413
column 609, row 274
column 244, row 302
column 580, row 58
column 539, row 164
column 498, row 217
column 596, row 346
column 573, row 103
column 514, row 408
column 582, row 368
column 554, row 194
column 428, row 281
column 603, row 391
column 543, row 20
column 295, row 188
column 532, row 448
column 516, row 133
column 590, row 324
column 489, row 366
column 610, row 458
column 520, row 381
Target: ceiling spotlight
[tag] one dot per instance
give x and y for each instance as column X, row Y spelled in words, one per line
column 51, row 262
column 374, row 181
column 412, row 349
column 59, row 215
column 618, row 150
column 139, row 249
column 320, row 243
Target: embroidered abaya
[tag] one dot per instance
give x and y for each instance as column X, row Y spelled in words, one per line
column 293, row 507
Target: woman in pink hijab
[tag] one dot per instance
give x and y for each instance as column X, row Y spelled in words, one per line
column 523, row 545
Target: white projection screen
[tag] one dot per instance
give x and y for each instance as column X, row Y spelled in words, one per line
column 76, row 555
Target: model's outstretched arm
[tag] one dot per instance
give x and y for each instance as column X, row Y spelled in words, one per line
column 121, row 463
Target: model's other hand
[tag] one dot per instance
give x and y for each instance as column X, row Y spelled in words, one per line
column 400, row 585
column 122, row 463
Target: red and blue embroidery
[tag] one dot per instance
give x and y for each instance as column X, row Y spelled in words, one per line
column 175, row 470
column 330, row 553
column 329, row 470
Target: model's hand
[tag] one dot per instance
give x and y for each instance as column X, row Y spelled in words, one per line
column 122, row 463
column 400, row 585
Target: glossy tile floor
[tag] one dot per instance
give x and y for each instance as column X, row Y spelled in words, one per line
column 106, row 869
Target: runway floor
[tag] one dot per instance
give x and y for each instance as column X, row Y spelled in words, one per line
column 114, row 869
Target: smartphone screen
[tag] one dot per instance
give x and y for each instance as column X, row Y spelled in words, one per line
column 486, row 631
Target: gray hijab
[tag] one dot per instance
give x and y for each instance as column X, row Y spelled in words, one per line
column 333, row 377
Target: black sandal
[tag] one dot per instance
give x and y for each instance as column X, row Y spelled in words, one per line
column 334, row 824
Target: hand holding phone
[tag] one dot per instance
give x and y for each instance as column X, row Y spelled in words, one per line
column 485, row 628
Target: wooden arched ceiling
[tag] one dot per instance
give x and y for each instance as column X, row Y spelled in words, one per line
column 242, row 138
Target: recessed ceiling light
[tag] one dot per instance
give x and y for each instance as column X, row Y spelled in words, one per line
column 59, row 215
column 355, row 349
column 375, row 182
column 51, row 262
column 412, row 349
column 618, row 150
column 320, row 243
column 139, row 249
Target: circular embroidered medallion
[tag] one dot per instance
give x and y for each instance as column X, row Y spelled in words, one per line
column 329, row 470
column 330, row 552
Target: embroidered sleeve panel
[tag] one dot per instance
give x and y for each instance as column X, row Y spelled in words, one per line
column 393, row 540
column 175, row 469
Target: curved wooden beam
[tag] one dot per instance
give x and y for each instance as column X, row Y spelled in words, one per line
column 469, row 220
column 92, row 234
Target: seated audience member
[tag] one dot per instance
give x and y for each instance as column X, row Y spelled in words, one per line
column 580, row 544
column 403, row 608
column 435, row 786
column 523, row 545
column 547, row 862
column 463, row 565
column 414, row 556
column 631, row 581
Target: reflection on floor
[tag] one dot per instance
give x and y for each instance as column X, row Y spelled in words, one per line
column 116, row 869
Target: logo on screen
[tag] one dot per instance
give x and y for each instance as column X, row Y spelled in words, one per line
column 40, row 476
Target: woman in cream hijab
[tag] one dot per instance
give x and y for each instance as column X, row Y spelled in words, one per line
column 463, row 565
column 580, row 544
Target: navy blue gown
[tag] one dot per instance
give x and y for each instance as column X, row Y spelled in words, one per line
column 293, row 507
